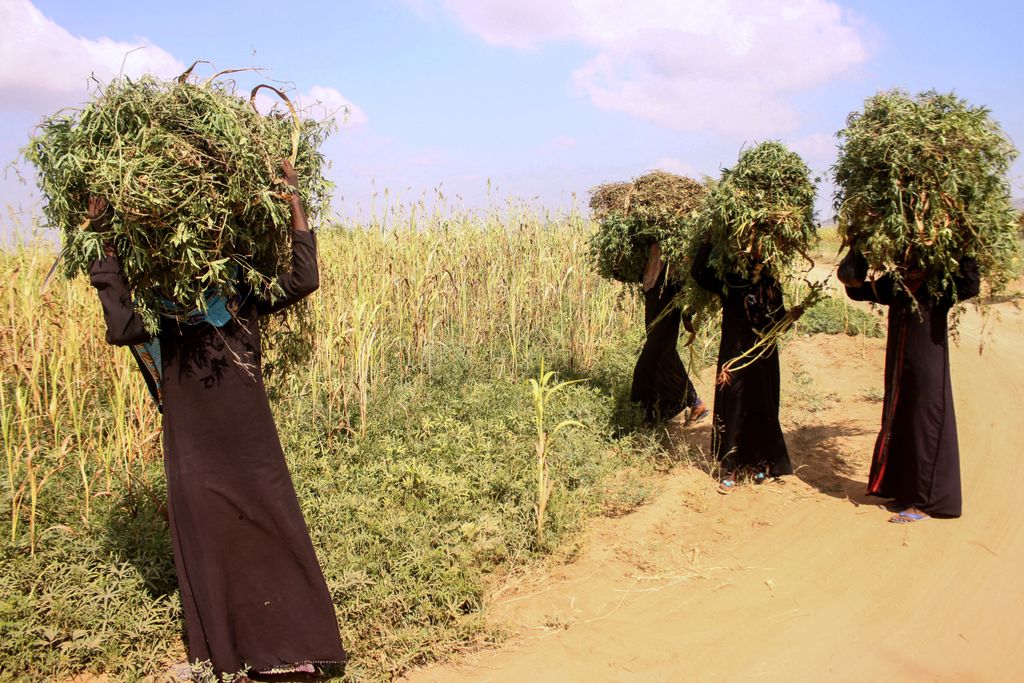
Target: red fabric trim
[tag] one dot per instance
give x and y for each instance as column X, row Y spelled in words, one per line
column 880, row 458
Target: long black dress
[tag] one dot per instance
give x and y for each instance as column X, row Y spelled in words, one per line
column 252, row 591
column 746, row 430
column 660, row 383
column 916, row 460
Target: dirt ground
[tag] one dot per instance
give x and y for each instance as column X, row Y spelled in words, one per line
column 803, row 580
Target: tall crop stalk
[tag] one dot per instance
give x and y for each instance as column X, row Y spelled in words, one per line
column 542, row 390
column 37, row 479
column 13, row 458
column 363, row 347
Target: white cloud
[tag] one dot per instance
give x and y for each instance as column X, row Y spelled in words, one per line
column 677, row 166
column 319, row 102
column 724, row 65
column 818, row 149
column 563, row 142
column 322, row 102
column 523, row 24
column 44, row 67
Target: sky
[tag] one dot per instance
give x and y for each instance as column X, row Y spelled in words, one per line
column 486, row 100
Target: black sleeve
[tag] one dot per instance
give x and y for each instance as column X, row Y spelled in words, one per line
column 878, row 291
column 299, row 282
column 968, row 281
column 124, row 325
column 702, row 272
column 853, row 268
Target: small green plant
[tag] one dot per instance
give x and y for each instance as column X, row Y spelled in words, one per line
column 543, row 390
column 873, row 395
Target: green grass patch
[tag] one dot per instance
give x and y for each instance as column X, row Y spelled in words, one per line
column 409, row 434
column 835, row 315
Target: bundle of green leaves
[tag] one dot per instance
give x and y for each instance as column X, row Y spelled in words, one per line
column 760, row 214
column 921, row 183
column 632, row 216
column 192, row 174
column 759, row 218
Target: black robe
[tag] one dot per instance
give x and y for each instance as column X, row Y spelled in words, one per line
column 660, row 383
column 916, row 460
column 746, row 432
column 252, row 591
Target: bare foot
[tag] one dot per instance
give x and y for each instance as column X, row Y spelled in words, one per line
column 697, row 413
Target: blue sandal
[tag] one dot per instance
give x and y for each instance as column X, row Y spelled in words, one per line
column 907, row 517
column 726, row 486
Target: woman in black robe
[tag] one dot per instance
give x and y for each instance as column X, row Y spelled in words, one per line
column 253, row 595
column 916, row 461
column 746, row 434
column 660, row 383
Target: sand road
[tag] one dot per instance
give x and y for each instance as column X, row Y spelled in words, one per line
column 804, row 580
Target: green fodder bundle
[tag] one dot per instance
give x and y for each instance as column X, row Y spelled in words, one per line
column 192, row 174
column 760, row 215
column 759, row 218
column 921, row 182
column 631, row 216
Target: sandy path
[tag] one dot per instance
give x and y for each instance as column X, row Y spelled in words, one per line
column 804, row 580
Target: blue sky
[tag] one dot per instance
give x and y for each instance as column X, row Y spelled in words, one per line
column 543, row 98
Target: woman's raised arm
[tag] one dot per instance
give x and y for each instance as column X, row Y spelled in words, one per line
column 124, row 325
column 304, row 277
